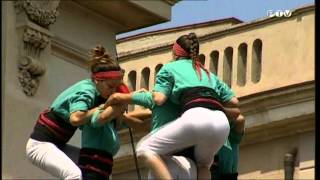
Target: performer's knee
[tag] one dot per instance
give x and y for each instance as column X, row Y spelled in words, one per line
column 146, row 156
column 72, row 173
column 203, row 166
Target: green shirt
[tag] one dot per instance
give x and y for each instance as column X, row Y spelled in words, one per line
column 84, row 96
column 160, row 114
column 81, row 96
column 103, row 138
column 179, row 75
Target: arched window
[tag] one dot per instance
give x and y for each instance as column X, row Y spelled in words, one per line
column 227, row 65
column 132, row 78
column 242, row 64
column 214, row 62
column 202, row 59
column 256, row 61
column 157, row 69
column 144, row 83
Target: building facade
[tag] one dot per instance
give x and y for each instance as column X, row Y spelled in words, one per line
column 269, row 63
column 45, row 46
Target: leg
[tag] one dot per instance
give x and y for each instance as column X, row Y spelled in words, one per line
column 51, row 159
column 170, row 138
column 157, row 166
column 180, row 168
column 194, row 126
column 203, row 172
column 211, row 134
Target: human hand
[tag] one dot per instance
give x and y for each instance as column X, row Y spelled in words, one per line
column 142, row 90
column 113, row 100
column 101, row 106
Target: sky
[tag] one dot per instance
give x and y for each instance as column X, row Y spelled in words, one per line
column 188, row 12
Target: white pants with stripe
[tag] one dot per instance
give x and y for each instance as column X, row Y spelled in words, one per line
column 202, row 128
column 51, row 159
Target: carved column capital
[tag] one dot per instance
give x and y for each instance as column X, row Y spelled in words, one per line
column 34, row 41
column 42, row 12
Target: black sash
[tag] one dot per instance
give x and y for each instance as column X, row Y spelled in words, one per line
column 199, row 97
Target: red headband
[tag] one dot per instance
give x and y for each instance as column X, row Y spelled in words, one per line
column 179, row 51
column 107, row 75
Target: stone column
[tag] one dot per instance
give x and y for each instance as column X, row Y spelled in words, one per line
column 289, row 164
column 33, row 20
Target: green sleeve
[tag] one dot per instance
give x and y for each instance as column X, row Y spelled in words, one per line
column 164, row 81
column 95, row 117
column 82, row 101
column 143, row 99
column 224, row 92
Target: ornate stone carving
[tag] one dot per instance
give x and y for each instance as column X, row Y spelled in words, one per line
column 30, row 67
column 35, row 41
column 42, row 12
column 30, row 71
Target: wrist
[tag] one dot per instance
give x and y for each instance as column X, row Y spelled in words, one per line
column 95, row 117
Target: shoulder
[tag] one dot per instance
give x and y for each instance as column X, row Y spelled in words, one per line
column 177, row 65
column 86, row 86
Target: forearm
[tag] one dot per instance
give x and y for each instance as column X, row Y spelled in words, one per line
column 140, row 113
column 118, row 98
column 109, row 113
column 136, row 123
column 240, row 124
column 231, row 108
column 232, row 113
column 79, row 118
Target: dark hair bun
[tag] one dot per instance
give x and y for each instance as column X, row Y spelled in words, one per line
column 100, row 60
column 98, row 51
column 192, row 36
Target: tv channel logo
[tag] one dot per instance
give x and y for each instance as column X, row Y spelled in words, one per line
column 279, row 13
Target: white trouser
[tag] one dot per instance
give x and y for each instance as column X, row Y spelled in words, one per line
column 180, row 168
column 202, row 128
column 51, row 159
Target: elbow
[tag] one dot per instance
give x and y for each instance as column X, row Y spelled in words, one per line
column 234, row 102
column 159, row 98
column 158, row 101
column 75, row 121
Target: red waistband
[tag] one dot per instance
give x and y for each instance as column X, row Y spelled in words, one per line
column 99, row 158
column 205, row 100
column 54, row 127
column 94, row 169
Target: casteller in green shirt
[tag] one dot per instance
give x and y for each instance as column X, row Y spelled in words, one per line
column 83, row 96
column 174, row 77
